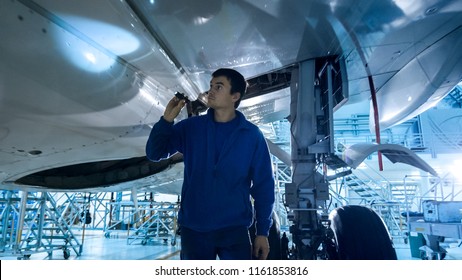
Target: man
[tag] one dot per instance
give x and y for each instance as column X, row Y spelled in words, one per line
column 226, row 162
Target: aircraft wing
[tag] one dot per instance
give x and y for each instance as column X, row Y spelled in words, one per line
column 82, row 82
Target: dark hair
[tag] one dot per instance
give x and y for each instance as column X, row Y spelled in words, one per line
column 237, row 81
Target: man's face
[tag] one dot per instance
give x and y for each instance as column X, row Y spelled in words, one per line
column 219, row 94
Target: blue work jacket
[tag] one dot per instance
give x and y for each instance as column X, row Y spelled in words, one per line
column 217, row 194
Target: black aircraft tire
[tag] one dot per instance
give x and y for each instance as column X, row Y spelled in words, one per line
column 360, row 234
column 274, row 239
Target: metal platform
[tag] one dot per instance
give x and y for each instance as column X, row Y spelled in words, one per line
column 142, row 222
column 32, row 223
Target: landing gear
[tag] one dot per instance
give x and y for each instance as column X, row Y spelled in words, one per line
column 360, row 234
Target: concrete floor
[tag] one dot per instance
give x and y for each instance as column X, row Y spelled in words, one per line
column 97, row 247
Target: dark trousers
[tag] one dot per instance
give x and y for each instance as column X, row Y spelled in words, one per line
column 227, row 244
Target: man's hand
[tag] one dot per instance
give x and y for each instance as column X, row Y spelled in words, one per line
column 261, row 247
column 173, row 108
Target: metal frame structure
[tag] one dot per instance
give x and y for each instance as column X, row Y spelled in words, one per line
column 31, row 223
column 142, row 221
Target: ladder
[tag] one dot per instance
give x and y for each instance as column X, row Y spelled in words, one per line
column 388, row 200
column 31, row 224
column 143, row 221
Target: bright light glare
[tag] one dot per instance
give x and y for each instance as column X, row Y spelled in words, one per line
column 94, row 45
column 147, row 97
column 201, row 20
column 91, row 57
column 455, row 169
column 409, row 7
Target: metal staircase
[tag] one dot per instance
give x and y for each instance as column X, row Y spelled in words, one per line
column 31, row 223
column 142, row 221
column 389, row 201
column 83, row 208
column 454, row 98
column 159, row 222
column 367, row 192
column 72, row 208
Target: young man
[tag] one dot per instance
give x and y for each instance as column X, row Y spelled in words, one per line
column 227, row 163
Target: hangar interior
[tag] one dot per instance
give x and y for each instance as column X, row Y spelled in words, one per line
column 83, row 83
column 143, row 225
